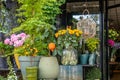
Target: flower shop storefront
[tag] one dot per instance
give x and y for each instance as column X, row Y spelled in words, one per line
column 56, row 40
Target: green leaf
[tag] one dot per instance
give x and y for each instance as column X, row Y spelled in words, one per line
column 55, row 52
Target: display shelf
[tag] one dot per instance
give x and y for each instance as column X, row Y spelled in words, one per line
column 75, row 72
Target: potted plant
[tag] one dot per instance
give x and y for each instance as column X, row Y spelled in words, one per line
column 23, row 47
column 84, row 53
column 93, row 73
column 37, row 19
column 67, row 42
column 112, row 43
column 48, row 66
column 27, row 54
column 92, row 44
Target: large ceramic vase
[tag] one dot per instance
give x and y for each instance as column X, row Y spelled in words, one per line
column 28, row 61
column 48, row 68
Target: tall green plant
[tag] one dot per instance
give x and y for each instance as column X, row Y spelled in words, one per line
column 36, row 17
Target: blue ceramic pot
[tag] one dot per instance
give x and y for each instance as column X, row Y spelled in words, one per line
column 84, row 58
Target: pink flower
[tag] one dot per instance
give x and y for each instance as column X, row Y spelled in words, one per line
column 111, row 42
column 7, row 41
column 22, row 35
column 18, row 43
column 11, row 43
column 14, row 37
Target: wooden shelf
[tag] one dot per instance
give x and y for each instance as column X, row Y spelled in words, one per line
column 114, row 63
column 116, row 71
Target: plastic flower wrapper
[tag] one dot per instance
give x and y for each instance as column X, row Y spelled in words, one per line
column 114, row 48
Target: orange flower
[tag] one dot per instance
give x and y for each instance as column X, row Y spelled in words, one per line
column 51, row 46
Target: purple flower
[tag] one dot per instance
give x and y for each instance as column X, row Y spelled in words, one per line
column 7, row 41
column 111, row 42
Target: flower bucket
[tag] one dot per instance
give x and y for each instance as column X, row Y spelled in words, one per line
column 31, row 73
column 84, row 58
column 28, row 61
column 48, row 68
column 92, row 59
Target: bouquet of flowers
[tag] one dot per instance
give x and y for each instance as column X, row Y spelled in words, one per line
column 112, row 35
column 67, row 37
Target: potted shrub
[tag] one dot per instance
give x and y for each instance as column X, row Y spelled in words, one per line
column 27, row 53
column 23, row 46
column 37, row 19
column 92, row 44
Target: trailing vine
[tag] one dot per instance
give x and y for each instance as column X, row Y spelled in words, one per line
column 11, row 75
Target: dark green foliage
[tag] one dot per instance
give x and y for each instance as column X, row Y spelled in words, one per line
column 93, row 73
column 5, row 49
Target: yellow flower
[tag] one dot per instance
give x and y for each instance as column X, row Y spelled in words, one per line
column 77, row 34
column 31, row 49
column 27, row 45
column 26, row 53
column 34, row 54
column 80, row 32
column 56, row 35
column 71, row 32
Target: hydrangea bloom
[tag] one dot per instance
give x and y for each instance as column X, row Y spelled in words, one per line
column 16, row 39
